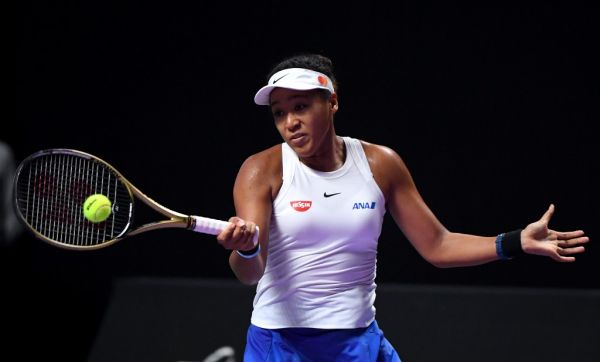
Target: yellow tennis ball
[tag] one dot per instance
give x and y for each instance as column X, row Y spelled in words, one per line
column 97, row 208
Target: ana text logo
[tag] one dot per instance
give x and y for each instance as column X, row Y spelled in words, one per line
column 364, row 205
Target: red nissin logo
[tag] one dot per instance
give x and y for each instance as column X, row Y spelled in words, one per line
column 301, row 205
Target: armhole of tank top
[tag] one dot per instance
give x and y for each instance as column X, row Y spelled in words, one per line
column 288, row 167
column 360, row 158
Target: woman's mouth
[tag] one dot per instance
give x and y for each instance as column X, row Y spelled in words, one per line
column 298, row 139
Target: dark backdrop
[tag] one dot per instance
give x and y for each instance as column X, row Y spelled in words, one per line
column 491, row 107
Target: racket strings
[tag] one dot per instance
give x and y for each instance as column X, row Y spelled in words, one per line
column 51, row 191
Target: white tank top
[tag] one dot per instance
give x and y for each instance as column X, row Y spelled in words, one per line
column 321, row 266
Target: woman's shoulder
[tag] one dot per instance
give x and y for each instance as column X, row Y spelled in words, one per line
column 267, row 156
column 377, row 151
column 266, row 162
column 261, row 171
column 384, row 159
column 388, row 168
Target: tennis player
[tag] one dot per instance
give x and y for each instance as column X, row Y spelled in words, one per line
column 321, row 198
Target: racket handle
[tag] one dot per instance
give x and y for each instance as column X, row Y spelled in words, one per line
column 214, row 227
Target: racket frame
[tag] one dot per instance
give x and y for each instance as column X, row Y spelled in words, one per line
column 175, row 219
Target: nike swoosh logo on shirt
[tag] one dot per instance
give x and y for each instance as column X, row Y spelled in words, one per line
column 325, row 194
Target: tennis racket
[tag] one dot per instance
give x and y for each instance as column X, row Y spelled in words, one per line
column 50, row 187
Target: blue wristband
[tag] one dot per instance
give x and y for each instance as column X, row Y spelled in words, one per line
column 508, row 245
column 254, row 252
column 499, row 249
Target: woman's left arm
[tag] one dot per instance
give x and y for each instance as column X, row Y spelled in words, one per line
column 444, row 248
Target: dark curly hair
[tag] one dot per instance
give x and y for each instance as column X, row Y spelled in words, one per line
column 316, row 62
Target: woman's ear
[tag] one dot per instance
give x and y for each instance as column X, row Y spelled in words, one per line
column 333, row 100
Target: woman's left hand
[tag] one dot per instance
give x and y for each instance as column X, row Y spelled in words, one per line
column 538, row 239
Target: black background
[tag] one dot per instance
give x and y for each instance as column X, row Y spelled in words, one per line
column 492, row 108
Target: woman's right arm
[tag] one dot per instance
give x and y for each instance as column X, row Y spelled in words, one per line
column 252, row 194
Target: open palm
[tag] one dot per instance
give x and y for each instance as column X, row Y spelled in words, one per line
column 538, row 239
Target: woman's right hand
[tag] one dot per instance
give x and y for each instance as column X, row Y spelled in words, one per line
column 238, row 235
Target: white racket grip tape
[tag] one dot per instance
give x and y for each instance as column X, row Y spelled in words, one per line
column 214, row 227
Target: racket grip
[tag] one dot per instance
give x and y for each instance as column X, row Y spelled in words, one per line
column 214, row 227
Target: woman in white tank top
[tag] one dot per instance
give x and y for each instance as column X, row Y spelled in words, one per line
column 318, row 201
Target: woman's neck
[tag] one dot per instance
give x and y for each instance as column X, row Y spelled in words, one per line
column 330, row 158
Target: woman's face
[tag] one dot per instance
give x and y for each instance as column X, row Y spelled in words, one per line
column 304, row 119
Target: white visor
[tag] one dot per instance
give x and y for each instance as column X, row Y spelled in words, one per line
column 293, row 78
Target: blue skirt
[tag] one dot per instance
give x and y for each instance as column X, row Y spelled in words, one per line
column 316, row 345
